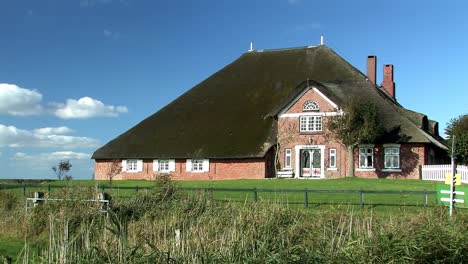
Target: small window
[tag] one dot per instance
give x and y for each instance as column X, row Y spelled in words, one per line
column 366, row 158
column 198, row 165
column 287, row 158
column 332, row 158
column 392, row 158
column 310, row 123
column 310, row 106
column 132, row 165
column 167, row 165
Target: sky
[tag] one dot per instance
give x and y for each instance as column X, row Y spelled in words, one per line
column 74, row 74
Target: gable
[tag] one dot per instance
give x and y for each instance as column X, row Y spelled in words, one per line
column 309, row 95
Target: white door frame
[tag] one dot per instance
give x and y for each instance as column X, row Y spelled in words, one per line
column 297, row 159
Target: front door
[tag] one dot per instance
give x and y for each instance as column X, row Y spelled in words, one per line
column 310, row 163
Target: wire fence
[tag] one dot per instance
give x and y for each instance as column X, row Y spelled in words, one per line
column 299, row 197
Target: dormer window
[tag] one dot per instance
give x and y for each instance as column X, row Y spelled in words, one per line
column 310, row 106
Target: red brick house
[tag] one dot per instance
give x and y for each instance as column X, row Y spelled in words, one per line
column 274, row 103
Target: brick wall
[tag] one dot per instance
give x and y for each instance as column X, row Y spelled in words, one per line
column 219, row 170
column 411, row 157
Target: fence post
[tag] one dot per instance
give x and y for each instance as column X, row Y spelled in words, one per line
column 362, row 198
column 24, row 190
column 255, row 194
column 425, row 198
column 48, row 188
column 306, row 198
column 137, row 188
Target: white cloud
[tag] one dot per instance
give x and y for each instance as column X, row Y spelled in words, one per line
column 53, row 130
column 15, row 100
column 54, row 156
column 87, row 107
column 11, row 136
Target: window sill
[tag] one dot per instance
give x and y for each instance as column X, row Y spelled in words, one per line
column 132, row 171
column 332, row 169
column 310, row 133
column 365, row 169
column 391, row 170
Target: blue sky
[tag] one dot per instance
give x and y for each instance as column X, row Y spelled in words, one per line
column 74, row 74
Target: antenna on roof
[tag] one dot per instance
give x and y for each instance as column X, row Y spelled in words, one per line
column 251, row 46
column 321, row 39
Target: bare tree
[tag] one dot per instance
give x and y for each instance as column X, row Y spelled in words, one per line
column 113, row 169
column 286, row 134
column 62, row 170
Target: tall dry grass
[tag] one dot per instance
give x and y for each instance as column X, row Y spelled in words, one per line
column 143, row 230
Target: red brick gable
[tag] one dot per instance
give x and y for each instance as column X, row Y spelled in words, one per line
column 325, row 104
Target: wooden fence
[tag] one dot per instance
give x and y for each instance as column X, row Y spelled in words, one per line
column 438, row 172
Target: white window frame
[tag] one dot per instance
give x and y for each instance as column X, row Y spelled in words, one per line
column 288, row 158
column 310, row 106
column 198, row 165
column 332, row 153
column 363, row 153
column 390, row 151
column 310, row 123
column 158, row 165
column 132, row 165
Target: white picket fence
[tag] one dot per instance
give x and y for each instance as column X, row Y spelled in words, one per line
column 438, row 172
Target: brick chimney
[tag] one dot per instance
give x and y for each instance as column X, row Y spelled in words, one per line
column 371, row 69
column 387, row 82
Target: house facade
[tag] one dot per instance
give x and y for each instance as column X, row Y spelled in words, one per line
column 265, row 115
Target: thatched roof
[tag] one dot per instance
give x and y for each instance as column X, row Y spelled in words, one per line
column 232, row 113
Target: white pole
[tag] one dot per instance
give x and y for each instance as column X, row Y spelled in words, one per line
column 452, row 187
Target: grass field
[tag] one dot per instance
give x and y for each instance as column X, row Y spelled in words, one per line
column 244, row 231
column 126, row 189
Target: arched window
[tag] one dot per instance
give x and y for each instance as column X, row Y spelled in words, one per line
column 310, row 106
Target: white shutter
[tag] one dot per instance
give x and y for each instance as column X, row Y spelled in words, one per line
column 206, row 165
column 139, row 165
column 155, row 165
column 188, row 165
column 124, row 165
column 171, row 165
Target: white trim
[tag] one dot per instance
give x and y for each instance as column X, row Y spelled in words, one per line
column 391, row 145
column 188, row 165
column 365, row 169
column 308, row 114
column 329, row 157
column 326, row 98
column 139, row 165
column 155, row 165
column 332, row 169
column 286, row 166
column 287, row 107
column 297, row 158
column 391, row 170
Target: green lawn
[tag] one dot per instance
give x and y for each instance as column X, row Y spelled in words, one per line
column 126, row 189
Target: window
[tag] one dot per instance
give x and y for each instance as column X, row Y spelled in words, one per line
column 332, row 158
column 366, row 158
column 166, row 165
column 310, row 106
column 310, row 123
column 132, row 165
column 198, row 165
column 287, row 158
column 163, row 165
column 392, row 158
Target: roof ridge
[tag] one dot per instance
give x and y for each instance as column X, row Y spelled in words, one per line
column 284, row 49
